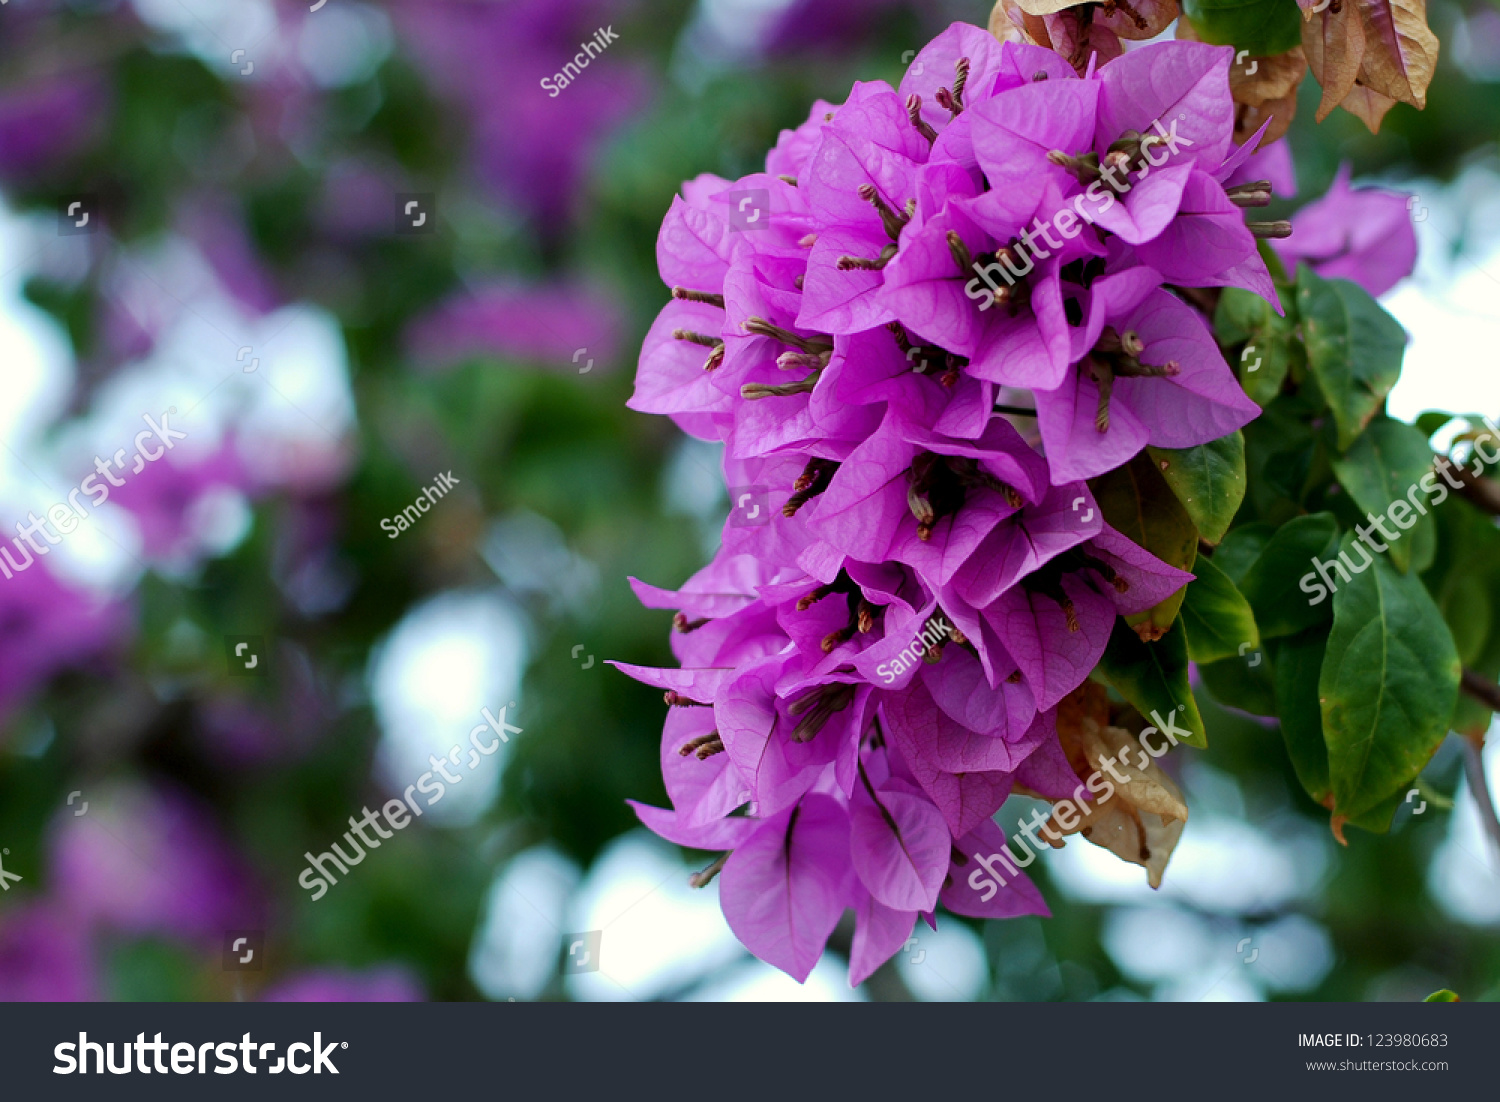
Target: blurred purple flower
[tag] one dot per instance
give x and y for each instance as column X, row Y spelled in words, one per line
column 219, row 230
column 528, row 144
column 1360, row 234
column 829, row 26
column 45, row 956
column 386, row 984
column 164, row 498
column 43, row 123
column 544, row 324
column 45, row 627
column 356, row 195
column 146, row 860
column 1273, row 163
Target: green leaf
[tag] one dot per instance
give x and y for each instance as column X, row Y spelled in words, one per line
column 1354, row 348
column 1218, row 618
column 1388, row 685
column 1464, row 581
column 1154, row 676
column 1246, row 682
column 1137, row 501
column 1281, row 437
column 1378, row 819
column 1380, row 469
column 1277, row 584
column 1442, row 995
column 1241, row 548
column 1209, row 481
column 1299, row 661
column 1269, row 339
column 1264, row 27
column 1429, row 422
column 1423, row 544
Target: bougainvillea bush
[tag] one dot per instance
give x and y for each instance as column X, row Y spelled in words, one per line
column 1033, row 430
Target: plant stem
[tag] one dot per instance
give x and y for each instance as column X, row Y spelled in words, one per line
column 1479, row 786
column 1485, row 691
column 1480, row 492
column 1481, row 688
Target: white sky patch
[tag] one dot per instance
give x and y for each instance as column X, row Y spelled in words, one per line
column 516, row 947
column 213, row 29
column 1154, row 943
column 756, row 981
column 1221, row 865
column 658, row 934
column 1451, row 304
column 449, row 658
column 944, row 965
column 531, row 556
column 1464, row 874
column 38, row 364
column 1218, row 983
column 344, row 43
column 720, row 33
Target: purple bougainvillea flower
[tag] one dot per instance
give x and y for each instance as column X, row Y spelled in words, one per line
column 785, row 887
column 1272, row 163
column 1361, row 234
column 1150, row 373
column 878, row 653
column 1010, row 328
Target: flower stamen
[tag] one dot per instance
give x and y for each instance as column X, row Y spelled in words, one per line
column 914, row 113
column 707, row 297
column 892, row 219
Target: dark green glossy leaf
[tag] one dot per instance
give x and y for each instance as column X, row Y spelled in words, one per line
column 1246, row 682
column 1388, row 686
column 1154, row 676
column 1209, row 480
column 1429, row 422
column 1219, row 621
column 1464, row 581
column 1264, row 27
column 1381, row 470
column 1354, row 349
column 1299, row 662
column 1378, row 819
column 1241, row 548
column 1136, row 500
column 1277, row 584
column 1266, row 342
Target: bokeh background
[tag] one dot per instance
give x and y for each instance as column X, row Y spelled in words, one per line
column 244, row 164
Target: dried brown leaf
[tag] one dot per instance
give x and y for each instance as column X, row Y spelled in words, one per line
column 1261, row 79
column 1009, row 23
column 1368, row 105
column 1400, row 49
column 1047, row 7
column 1143, row 817
column 1334, row 44
column 1137, row 19
column 1248, row 119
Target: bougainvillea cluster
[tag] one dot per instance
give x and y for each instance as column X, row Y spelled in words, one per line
column 940, row 310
